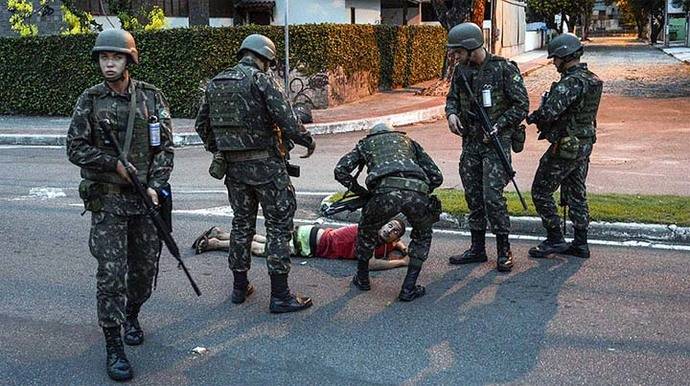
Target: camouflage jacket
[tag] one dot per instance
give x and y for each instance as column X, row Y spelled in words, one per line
column 358, row 157
column 277, row 107
column 85, row 138
column 510, row 103
column 572, row 103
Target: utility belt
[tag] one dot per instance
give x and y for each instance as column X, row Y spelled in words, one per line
column 92, row 192
column 403, row 183
column 246, row 155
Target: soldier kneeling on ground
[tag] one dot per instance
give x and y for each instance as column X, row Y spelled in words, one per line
column 400, row 179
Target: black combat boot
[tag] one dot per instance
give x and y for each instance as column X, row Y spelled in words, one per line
column 476, row 253
column 134, row 335
column 281, row 298
column 241, row 289
column 554, row 243
column 361, row 278
column 410, row 290
column 117, row 365
column 579, row 247
column 504, row 259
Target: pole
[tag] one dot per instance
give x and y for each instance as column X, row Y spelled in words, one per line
column 287, row 47
column 666, row 25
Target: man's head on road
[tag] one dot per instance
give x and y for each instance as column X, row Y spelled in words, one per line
column 466, row 44
column 114, row 50
column 261, row 49
column 565, row 50
column 392, row 231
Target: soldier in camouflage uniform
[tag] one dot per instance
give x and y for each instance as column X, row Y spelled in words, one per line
column 481, row 171
column 400, row 177
column 567, row 119
column 241, row 108
column 123, row 238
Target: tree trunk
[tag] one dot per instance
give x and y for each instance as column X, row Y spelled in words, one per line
column 404, row 12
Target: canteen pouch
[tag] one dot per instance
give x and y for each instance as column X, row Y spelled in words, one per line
column 91, row 193
column 517, row 139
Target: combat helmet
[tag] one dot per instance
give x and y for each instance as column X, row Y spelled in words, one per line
column 260, row 45
column 116, row 40
column 565, row 46
column 466, row 35
column 380, row 128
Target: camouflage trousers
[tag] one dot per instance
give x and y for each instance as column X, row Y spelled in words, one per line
column 484, row 178
column 418, row 208
column 126, row 248
column 278, row 204
column 551, row 173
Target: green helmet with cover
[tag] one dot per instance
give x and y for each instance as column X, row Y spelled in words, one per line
column 565, row 46
column 466, row 35
column 260, row 45
column 116, row 40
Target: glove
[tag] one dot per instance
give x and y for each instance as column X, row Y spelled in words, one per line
column 310, row 150
column 358, row 189
column 534, row 117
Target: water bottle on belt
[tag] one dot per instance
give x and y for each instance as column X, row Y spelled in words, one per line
column 154, row 133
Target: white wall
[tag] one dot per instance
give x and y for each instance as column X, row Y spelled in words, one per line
column 366, row 11
column 534, row 40
column 171, row 22
column 310, row 11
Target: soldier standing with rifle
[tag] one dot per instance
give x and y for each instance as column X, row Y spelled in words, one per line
column 567, row 119
column 482, row 81
column 123, row 238
column 241, row 108
column 400, row 177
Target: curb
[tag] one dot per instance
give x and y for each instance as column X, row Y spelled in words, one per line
column 192, row 138
column 531, row 226
column 673, row 51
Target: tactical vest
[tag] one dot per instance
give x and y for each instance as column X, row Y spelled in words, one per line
column 239, row 120
column 139, row 154
column 490, row 74
column 584, row 112
column 389, row 153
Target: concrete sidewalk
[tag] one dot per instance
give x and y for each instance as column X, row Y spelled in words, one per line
column 680, row 53
column 397, row 107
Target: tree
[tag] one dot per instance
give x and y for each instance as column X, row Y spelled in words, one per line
column 78, row 21
column 639, row 11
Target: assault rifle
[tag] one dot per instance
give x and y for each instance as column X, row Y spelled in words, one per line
column 151, row 209
column 493, row 136
column 350, row 203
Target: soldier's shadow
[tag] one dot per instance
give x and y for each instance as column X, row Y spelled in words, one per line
column 496, row 324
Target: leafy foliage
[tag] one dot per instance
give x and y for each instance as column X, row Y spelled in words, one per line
column 181, row 61
column 22, row 10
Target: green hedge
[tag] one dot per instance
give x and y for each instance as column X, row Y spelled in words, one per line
column 45, row 75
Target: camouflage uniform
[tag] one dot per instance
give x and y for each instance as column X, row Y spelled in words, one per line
column 481, row 171
column 123, row 238
column 400, row 174
column 237, row 117
column 570, row 109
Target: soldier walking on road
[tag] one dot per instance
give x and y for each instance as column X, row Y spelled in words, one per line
column 401, row 175
column 499, row 85
column 567, row 119
column 242, row 107
column 123, row 238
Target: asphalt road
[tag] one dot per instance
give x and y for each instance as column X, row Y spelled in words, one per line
column 618, row 318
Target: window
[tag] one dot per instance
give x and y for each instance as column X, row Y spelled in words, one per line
column 352, row 15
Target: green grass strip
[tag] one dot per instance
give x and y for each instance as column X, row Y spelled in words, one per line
column 602, row 207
